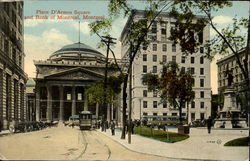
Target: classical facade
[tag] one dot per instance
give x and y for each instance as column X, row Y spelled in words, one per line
column 229, row 63
column 62, row 80
column 162, row 50
column 12, row 76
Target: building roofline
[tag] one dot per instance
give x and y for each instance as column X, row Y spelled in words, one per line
column 229, row 56
column 141, row 12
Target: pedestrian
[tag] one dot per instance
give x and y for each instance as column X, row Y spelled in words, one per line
column 112, row 126
column 132, row 127
column 209, row 124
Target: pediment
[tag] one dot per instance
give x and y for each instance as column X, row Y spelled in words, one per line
column 76, row 74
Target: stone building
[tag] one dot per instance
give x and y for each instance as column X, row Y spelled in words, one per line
column 12, row 76
column 62, row 80
column 229, row 63
column 145, row 103
column 30, row 99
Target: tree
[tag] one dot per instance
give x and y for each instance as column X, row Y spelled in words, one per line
column 97, row 94
column 228, row 40
column 175, row 86
column 137, row 34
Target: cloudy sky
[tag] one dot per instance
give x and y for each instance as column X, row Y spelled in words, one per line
column 44, row 36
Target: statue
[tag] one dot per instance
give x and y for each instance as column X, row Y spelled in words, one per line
column 229, row 77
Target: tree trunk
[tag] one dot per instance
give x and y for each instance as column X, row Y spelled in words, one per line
column 180, row 112
column 124, row 106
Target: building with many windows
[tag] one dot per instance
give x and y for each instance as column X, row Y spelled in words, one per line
column 229, row 63
column 162, row 50
column 12, row 77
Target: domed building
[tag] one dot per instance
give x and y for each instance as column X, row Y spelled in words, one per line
column 61, row 81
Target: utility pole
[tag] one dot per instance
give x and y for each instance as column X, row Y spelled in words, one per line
column 130, row 98
column 108, row 40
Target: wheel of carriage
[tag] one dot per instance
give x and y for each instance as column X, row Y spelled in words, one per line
column 12, row 128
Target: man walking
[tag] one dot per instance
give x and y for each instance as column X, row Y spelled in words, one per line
column 112, row 126
column 209, row 124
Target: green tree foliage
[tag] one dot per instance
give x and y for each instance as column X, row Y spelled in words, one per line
column 96, row 92
column 175, row 86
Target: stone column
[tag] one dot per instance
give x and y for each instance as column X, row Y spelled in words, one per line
column 61, row 113
column 108, row 112
column 37, row 103
column 97, row 109
column 73, row 97
column 49, row 104
column 85, row 103
column 112, row 111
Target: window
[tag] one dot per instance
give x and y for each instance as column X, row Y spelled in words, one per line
column 164, row 47
column 144, row 57
column 154, row 69
column 201, row 60
column 201, row 50
column 202, row 116
column 145, row 104
column 201, row 82
column 182, row 69
column 154, row 47
column 193, row 104
column 192, row 60
column 192, row 70
column 154, row 58
column 193, row 82
column 202, row 94
column 173, row 58
column 202, row 104
column 174, row 114
column 154, row 27
column 183, row 114
column 164, row 114
column 155, row 104
column 183, row 59
column 144, row 47
column 164, row 105
column 155, row 93
column 163, row 31
column 145, row 93
column 192, row 116
column 200, row 35
column 201, row 71
column 144, row 70
column 155, row 114
column 164, row 58
column 145, row 114
column 173, row 47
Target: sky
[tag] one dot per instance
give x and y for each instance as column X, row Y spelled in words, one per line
column 42, row 37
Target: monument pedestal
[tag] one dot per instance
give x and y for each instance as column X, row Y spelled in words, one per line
column 229, row 117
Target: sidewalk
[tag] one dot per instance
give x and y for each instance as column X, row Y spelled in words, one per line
column 200, row 145
column 4, row 133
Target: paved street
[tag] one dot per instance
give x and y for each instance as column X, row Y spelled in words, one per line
column 65, row 143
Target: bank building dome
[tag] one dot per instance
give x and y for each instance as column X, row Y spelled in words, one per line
column 75, row 51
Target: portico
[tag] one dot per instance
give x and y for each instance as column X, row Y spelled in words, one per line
column 60, row 101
